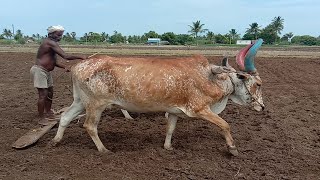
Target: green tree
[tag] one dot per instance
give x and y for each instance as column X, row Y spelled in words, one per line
column 248, row 36
column 197, row 28
column 67, row 37
column 151, row 34
column 34, row 37
column 170, row 37
column 277, row 24
column 18, row 36
column 38, row 37
column 287, row 37
column 73, row 35
column 233, row 36
column 7, row 33
column 94, row 37
column 221, row 39
column 184, row 39
column 84, row 38
column 253, row 31
column 304, row 40
column 269, row 35
column 104, row 37
column 134, row 39
column 117, row 38
column 210, row 36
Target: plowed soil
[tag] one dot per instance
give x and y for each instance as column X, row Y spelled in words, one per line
column 282, row 142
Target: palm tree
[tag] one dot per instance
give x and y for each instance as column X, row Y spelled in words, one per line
column 85, row 36
column 277, row 24
column 67, row 37
column 288, row 36
column 233, row 35
column 254, row 30
column 104, row 36
column 18, row 35
column 7, row 33
column 210, row 36
column 38, row 36
column 197, row 28
column 73, row 35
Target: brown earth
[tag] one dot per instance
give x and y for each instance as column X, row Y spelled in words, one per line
column 283, row 142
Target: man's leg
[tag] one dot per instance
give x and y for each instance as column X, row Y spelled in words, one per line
column 43, row 95
column 48, row 103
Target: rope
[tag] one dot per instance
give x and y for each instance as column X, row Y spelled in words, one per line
column 49, row 98
column 93, row 54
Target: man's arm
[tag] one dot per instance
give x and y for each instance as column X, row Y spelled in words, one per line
column 55, row 46
column 60, row 65
column 63, row 66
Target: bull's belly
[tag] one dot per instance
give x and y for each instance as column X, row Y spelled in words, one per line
column 148, row 108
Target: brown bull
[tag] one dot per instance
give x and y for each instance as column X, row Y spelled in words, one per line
column 186, row 85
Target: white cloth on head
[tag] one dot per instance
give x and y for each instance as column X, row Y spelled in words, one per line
column 52, row 29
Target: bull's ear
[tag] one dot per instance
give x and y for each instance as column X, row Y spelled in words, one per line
column 221, row 69
column 217, row 70
column 242, row 76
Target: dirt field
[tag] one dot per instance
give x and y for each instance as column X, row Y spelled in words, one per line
column 283, row 142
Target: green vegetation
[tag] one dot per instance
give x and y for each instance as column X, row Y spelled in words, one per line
column 271, row 34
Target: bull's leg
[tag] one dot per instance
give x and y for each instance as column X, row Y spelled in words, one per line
column 215, row 119
column 93, row 115
column 171, row 125
column 126, row 114
column 73, row 111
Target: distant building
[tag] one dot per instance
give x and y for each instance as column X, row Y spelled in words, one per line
column 244, row 42
column 154, row 41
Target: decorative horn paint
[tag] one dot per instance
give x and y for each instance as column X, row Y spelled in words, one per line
column 249, row 58
column 241, row 56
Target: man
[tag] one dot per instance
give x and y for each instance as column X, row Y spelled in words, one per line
column 41, row 72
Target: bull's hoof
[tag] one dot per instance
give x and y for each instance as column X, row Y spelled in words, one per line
column 105, row 151
column 52, row 143
column 233, row 150
column 169, row 148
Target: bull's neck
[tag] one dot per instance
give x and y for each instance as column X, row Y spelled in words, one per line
column 228, row 87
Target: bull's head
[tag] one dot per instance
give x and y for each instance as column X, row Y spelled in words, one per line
column 246, row 82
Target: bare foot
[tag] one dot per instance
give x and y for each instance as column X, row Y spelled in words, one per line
column 52, row 117
column 43, row 121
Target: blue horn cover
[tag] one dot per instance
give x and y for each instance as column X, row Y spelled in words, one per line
column 249, row 58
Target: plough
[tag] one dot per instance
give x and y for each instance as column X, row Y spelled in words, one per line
column 33, row 135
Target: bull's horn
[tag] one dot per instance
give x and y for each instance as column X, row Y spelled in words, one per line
column 249, row 58
column 225, row 62
column 241, row 56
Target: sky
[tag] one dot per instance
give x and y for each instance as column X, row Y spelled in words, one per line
column 136, row 17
